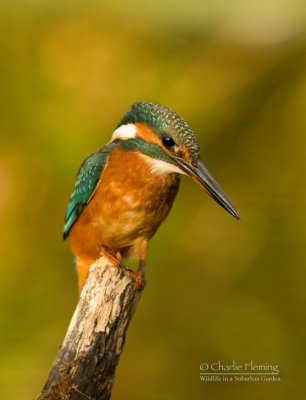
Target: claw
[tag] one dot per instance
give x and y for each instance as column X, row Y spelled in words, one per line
column 139, row 275
column 112, row 258
column 139, row 279
column 108, row 254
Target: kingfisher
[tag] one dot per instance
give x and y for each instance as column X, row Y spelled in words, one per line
column 124, row 190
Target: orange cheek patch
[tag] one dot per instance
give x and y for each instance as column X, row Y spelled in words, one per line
column 184, row 153
column 146, row 133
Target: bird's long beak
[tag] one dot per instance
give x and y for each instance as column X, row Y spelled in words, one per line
column 203, row 178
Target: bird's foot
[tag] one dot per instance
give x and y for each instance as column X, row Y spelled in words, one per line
column 115, row 258
column 139, row 275
column 139, row 279
column 112, row 258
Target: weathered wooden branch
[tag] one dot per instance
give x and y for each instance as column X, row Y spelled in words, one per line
column 85, row 365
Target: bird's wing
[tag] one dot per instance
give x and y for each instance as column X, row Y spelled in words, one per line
column 86, row 182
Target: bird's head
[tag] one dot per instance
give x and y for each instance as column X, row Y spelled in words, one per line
column 170, row 144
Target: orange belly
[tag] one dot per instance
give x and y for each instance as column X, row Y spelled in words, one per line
column 127, row 207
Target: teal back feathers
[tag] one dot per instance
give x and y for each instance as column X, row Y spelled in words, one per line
column 86, row 182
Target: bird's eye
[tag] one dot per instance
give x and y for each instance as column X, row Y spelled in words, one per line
column 168, row 141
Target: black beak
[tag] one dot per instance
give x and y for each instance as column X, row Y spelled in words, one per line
column 203, row 178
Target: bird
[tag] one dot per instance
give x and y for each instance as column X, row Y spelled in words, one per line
column 125, row 190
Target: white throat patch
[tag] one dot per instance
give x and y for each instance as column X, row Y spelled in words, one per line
column 124, row 132
column 159, row 167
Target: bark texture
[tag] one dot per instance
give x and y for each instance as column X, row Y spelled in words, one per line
column 85, row 365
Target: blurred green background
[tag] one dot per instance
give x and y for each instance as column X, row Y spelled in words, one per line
column 217, row 289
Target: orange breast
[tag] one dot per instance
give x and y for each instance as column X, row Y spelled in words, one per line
column 129, row 203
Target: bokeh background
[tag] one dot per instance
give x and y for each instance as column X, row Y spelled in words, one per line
column 217, row 289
